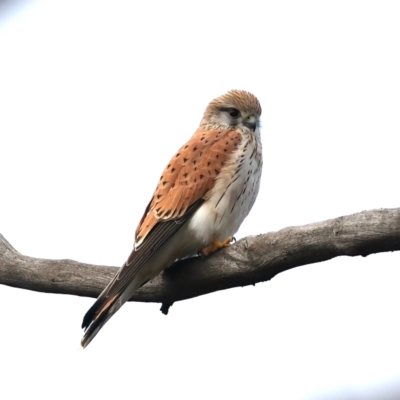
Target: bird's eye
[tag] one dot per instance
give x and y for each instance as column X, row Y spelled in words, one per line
column 234, row 113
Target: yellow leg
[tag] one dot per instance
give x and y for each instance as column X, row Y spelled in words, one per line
column 216, row 245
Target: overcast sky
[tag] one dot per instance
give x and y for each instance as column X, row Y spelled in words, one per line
column 95, row 97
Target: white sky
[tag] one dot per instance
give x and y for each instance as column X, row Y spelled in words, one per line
column 95, row 97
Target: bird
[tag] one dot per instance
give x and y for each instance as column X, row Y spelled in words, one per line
column 206, row 191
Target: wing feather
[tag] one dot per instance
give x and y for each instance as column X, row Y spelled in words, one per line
column 188, row 177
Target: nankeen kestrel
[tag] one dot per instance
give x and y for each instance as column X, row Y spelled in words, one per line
column 204, row 194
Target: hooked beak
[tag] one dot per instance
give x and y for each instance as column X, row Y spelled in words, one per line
column 251, row 123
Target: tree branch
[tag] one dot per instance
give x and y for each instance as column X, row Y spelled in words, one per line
column 251, row 260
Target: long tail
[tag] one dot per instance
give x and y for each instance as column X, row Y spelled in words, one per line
column 140, row 268
column 100, row 312
column 144, row 263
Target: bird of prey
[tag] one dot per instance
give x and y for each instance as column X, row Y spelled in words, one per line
column 204, row 194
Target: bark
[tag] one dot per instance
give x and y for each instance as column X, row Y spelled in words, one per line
column 249, row 261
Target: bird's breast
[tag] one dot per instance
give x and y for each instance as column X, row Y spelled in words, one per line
column 233, row 195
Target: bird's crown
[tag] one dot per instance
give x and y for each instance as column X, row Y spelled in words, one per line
column 231, row 109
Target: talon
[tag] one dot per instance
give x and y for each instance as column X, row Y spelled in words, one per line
column 217, row 245
column 233, row 240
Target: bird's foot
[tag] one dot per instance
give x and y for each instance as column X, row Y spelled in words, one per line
column 216, row 245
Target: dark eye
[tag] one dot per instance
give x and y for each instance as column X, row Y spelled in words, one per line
column 234, row 113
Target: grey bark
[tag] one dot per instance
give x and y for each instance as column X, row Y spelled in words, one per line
column 251, row 260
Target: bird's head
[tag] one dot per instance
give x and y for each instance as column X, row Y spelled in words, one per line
column 236, row 109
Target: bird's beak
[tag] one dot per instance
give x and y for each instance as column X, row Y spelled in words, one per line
column 251, row 122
